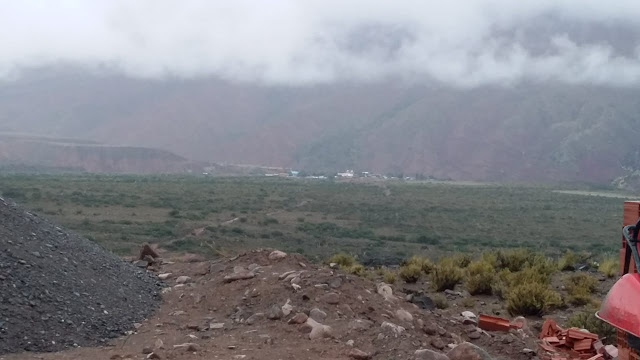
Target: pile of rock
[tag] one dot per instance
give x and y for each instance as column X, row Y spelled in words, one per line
column 59, row 290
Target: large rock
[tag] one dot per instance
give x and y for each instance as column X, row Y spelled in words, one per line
column 183, row 279
column 299, row 318
column 254, row 318
column 317, row 314
column 396, row 330
column 330, row 298
column 360, row 324
column 359, row 354
column 317, row 330
column 277, row 255
column 239, row 276
column 404, row 315
column 275, row 313
column 468, row 351
column 385, row 290
column 426, row 354
column 287, row 308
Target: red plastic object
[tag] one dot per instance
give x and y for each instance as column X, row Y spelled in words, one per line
column 619, row 308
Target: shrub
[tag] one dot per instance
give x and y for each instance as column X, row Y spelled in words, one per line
column 424, row 263
column 427, row 266
column 491, row 258
column 269, row 221
column 581, row 281
column 410, row 273
column 468, row 302
column 570, row 260
column 609, row 267
column 532, row 299
column 544, row 265
column 389, row 277
column 480, row 278
column 528, row 275
column 462, row 260
column 587, row 320
column 342, row 259
column 500, row 286
column 580, row 287
column 347, row 263
column 356, row 269
column 440, row 301
column 514, row 260
column 446, row 276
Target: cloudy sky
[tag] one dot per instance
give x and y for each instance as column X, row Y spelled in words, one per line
column 460, row 42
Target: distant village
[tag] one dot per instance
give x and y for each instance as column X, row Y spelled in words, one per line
column 347, row 174
column 350, row 174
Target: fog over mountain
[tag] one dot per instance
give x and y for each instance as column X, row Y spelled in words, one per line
column 462, row 43
column 487, row 89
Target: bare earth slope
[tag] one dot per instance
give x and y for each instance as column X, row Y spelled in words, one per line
column 243, row 308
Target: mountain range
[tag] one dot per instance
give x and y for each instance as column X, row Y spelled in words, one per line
column 542, row 131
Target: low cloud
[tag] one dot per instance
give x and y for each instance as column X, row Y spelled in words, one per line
column 462, row 43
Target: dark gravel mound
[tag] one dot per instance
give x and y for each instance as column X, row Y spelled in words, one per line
column 59, row 290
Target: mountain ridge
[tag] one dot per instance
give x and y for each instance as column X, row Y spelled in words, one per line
column 532, row 131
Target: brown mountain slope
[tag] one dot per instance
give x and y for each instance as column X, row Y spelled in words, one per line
column 47, row 153
column 531, row 131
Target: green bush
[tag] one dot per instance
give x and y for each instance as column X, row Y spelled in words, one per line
column 462, row 260
column 468, row 302
column 347, row 263
column 587, row 320
column 410, row 273
column 532, row 299
column 440, row 301
column 389, row 277
column 446, row 276
column 609, row 266
column 514, row 259
column 424, row 263
column 580, row 287
column 480, row 277
column 491, row 258
column 569, row 260
column 356, row 269
column 343, row 260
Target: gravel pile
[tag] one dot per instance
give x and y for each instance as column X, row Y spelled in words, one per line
column 59, row 290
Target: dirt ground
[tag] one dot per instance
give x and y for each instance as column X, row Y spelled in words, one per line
column 208, row 317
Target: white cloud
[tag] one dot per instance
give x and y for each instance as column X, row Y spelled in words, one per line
column 459, row 42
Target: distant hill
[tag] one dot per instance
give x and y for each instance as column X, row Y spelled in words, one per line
column 30, row 153
column 537, row 132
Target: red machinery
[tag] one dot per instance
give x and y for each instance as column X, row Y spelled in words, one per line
column 620, row 308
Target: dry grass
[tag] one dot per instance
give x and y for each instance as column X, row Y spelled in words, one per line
column 479, row 278
column 609, row 266
column 440, row 301
column 410, row 273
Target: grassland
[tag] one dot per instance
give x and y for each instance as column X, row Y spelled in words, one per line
column 379, row 222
